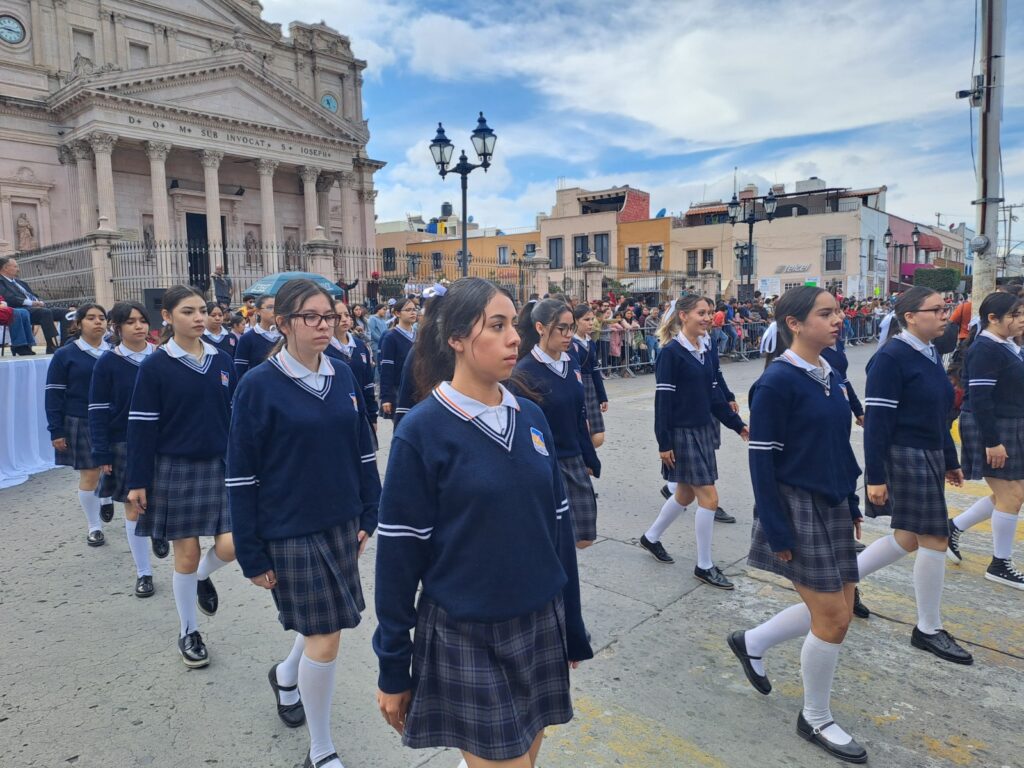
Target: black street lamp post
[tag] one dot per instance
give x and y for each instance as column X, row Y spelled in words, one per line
column 441, row 149
column 745, row 251
column 654, row 255
column 900, row 249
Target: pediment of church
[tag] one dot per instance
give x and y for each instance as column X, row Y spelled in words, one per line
column 224, row 13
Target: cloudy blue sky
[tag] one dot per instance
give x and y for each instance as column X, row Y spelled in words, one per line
column 670, row 95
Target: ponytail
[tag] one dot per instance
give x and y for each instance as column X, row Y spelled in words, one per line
column 545, row 312
column 671, row 323
column 796, row 303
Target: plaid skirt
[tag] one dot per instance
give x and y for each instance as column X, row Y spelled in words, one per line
column 487, row 688
column 695, row 455
column 594, row 416
column 79, row 452
column 318, row 590
column 113, row 486
column 972, row 455
column 188, row 499
column 917, row 491
column 582, row 502
column 824, row 557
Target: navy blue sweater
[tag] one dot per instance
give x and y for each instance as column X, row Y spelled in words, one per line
column 406, row 397
column 687, row 393
column 284, row 479
column 719, row 376
column 179, row 408
column 67, row 387
column 394, row 347
column 840, row 364
column 253, row 348
column 228, row 343
column 586, row 357
column 481, row 520
column 994, row 379
column 798, row 437
column 906, row 401
column 361, row 365
column 110, row 398
column 564, row 405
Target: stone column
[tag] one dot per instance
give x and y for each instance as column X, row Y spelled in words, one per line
column 86, row 196
column 539, row 267
column 309, row 174
column 102, row 149
column 120, row 41
column 348, row 224
column 172, row 45
column 593, row 271
column 157, row 153
column 60, row 11
column 211, row 186
column 324, row 184
column 268, row 218
column 37, row 26
column 99, row 251
column 368, row 235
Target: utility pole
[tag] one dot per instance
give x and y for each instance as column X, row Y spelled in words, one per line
column 987, row 93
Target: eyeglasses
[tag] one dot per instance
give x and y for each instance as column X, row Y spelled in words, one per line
column 937, row 311
column 566, row 330
column 313, row 320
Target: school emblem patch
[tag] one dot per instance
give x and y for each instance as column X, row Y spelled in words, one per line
column 355, row 401
column 225, row 380
column 538, row 441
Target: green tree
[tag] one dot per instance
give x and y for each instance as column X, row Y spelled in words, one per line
column 938, row 279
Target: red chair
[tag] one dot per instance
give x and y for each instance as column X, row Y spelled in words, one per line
column 6, row 316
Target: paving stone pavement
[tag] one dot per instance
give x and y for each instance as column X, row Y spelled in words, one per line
column 91, row 676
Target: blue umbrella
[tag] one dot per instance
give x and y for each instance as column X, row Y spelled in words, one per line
column 271, row 284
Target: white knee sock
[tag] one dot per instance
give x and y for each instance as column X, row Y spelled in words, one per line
column 209, row 564
column 91, row 506
column 878, row 555
column 974, row 514
column 818, row 661
column 1004, row 529
column 288, row 670
column 140, row 549
column 185, row 600
column 929, row 573
column 316, row 684
column 670, row 510
column 671, row 487
column 704, row 525
column 788, row 624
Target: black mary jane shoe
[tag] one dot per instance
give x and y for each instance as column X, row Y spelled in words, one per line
column 738, row 643
column 657, row 550
column 665, row 492
column 161, row 548
column 321, row 762
column 107, row 512
column 849, row 753
column 292, row 715
column 721, row 516
column 206, row 596
column 193, row 650
column 144, row 586
column 942, row 645
column 713, row 577
column 95, row 539
column 860, row 610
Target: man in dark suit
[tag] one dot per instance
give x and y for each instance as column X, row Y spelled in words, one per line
column 18, row 294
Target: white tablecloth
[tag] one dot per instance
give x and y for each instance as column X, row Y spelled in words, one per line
column 24, row 442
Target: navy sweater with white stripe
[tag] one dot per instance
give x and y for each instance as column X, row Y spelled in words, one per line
column 799, row 437
column 361, row 365
column 687, row 394
column 110, row 398
column 719, row 376
column 299, row 461
column 840, row 364
column 906, row 401
column 227, row 343
column 481, row 520
column 394, row 346
column 405, row 399
column 564, row 404
column 995, row 386
column 253, row 348
column 179, row 408
column 586, row 356
column 67, row 387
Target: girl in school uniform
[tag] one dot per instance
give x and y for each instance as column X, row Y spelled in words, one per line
column 255, row 345
column 407, row 396
column 280, row 469
column 345, row 346
column 687, row 402
column 804, row 474
column 67, row 411
column 500, row 591
column 549, row 373
column 394, row 346
column 585, row 352
column 216, row 334
column 992, row 433
column 835, row 354
column 177, row 440
column 110, row 395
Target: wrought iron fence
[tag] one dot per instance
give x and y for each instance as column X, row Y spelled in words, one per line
column 60, row 274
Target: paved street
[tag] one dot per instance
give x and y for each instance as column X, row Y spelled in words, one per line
column 91, row 675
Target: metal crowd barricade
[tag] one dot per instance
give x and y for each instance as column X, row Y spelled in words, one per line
column 635, row 353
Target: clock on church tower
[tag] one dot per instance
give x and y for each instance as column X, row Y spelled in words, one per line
column 12, row 31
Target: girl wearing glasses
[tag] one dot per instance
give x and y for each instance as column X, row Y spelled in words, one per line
column 687, row 401
column 177, row 439
column 546, row 329
column 352, row 350
column 585, row 350
column 992, row 431
column 394, row 346
column 498, row 624
column 280, row 469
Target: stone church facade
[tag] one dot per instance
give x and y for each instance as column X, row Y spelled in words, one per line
column 191, row 121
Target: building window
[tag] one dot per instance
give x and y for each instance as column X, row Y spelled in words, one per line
column 502, row 255
column 833, row 254
column 708, row 262
column 871, row 254
column 790, row 286
column 555, row 252
column 691, row 263
column 138, row 56
column 390, row 258
column 83, row 43
column 531, row 250
column 654, row 255
column 633, row 259
column 580, row 248
column 435, row 261
column 601, row 248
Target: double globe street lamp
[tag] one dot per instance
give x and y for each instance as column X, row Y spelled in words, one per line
column 441, row 149
column 745, row 251
column 900, row 249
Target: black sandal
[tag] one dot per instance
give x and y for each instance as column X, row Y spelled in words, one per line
column 292, row 715
column 738, row 644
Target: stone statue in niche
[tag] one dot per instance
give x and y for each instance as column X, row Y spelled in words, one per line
column 291, row 254
column 26, row 233
column 149, row 241
column 252, row 248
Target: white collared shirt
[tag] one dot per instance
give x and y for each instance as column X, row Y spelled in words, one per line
column 174, row 349
column 294, row 369
column 217, row 336
column 85, row 346
column 583, row 340
column 703, row 343
column 410, row 335
column 272, row 335
column 494, row 416
column 558, row 366
column 926, row 349
column 138, row 357
column 1008, row 342
column 793, row 358
column 345, row 349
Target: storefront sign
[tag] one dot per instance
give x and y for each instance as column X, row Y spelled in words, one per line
column 791, row 268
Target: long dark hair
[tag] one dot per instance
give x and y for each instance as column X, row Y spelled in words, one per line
column 172, row 297
column 289, row 299
column 545, row 312
column 119, row 315
column 74, row 330
column 999, row 304
column 581, row 311
column 796, row 303
column 909, row 301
